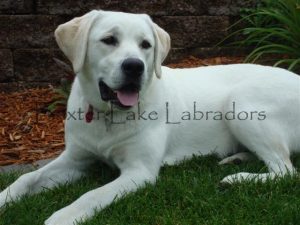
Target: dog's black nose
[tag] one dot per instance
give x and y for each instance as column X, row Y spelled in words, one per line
column 133, row 67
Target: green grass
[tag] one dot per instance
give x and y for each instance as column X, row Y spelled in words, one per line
column 185, row 194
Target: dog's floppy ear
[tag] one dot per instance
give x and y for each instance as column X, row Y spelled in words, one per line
column 162, row 47
column 72, row 37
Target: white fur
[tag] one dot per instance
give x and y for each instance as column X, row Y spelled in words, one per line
column 139, row 148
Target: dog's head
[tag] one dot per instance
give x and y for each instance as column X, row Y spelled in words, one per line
column 115, row 55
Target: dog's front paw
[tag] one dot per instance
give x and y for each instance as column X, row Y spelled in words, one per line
column 67, row 216
column 3, row 198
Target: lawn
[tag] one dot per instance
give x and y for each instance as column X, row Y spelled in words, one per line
column 185, row 194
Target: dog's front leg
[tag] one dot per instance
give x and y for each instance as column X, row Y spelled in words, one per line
column 84, row 207
column 62, row 170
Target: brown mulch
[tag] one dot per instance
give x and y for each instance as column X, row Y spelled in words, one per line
column 28, row 132
column 196, row 62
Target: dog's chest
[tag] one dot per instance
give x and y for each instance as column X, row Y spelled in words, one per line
column 102, row 138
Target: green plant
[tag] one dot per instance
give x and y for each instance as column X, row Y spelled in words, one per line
column 273, row 29
column 63, row 91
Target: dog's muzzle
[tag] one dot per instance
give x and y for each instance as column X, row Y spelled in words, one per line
column 128, row 94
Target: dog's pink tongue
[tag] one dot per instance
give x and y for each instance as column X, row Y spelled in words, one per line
column 128, row 99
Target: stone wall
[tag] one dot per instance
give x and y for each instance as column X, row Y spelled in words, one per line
column 27, row 46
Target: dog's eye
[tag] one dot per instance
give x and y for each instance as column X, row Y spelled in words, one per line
column 111, row 40
column 145, row 44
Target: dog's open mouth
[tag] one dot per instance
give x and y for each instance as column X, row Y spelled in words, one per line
column 125, row 97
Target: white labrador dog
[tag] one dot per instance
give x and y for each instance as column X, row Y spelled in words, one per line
column 120, row 112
